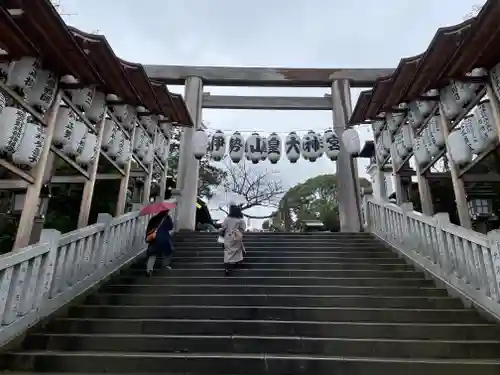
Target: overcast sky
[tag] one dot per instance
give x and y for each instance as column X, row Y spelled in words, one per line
column 282, row 33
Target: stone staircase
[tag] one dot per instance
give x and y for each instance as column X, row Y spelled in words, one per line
column 304, row 304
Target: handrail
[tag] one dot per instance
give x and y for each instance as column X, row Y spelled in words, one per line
column 39, row 279
column 466, row 261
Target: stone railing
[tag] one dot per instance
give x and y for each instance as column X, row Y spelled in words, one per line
column 466, row 262
column 41, row 278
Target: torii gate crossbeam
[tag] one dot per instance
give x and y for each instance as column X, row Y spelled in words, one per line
column 340, row 82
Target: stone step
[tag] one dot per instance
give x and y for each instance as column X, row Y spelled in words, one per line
column 251, row 268
column 224, row 363
column 342, row 272
column 269, row 277
column 253, row 344
column 347, row 314
column 222, row 287
column 373, row 301
column 293, row 244
column 277, row 254
column 375, row 330
column 298, row 258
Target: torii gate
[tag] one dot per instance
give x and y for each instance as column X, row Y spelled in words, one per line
column 339, row 81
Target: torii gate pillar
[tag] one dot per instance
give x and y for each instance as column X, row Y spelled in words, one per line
column 347, row 174
column 187, row 175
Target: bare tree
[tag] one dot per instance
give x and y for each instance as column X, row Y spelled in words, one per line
column 260, row 187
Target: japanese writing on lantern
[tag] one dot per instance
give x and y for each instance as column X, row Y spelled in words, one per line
column 17, row 133
column 81, row 144
column 292, row 143
column 217, row 143
column 68, row 129
column 311, row 143
column 257, row 147
column 273, row 145
column 37, row 150
column 332, row 143
column 29, row 81
column 49, row 89
column 235, row 144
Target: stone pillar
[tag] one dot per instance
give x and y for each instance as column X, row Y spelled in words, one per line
column 187, row 179
column 347, row 171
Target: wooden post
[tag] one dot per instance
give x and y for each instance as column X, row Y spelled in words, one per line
column 163, row 180
column 349, row 194
column 495, row 106
column 398, row 186
column 424, row 190
column 33, row 191
column 122, row 195
column 88, row 188
column 458, row 184
column 147, row 184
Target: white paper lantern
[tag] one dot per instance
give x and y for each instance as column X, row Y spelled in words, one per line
column 486, row 122
column 292, row 147
column 149, row 155
column 153, row 124
column 264, row 149
column 139, row 138
column 351, row 141
column 116, row 146
column 386, row 141
column 23, row 73
column 146, row 122
column 143, row 151
column 274, row 148
column 2, row 102
column 129, row 121
column 44, row 90
column 12, row 123
column 200, row 143
column 126, row 153
column 166, row 151
column 406, row 134
column 459, row 150
column 109, row 134
column 64, row 127
column 494, row 75
column 30, row 149
column 310, row 146
column 82, row 98
column 380, row 151
column 97, row 108
column 165, row 128
column 428, row 143
column 470, row 131
column 254, row 143
column 218, row 146
column 398, row 145
column 321, row 141
column 89, row 151
column 436, row 134
column 332, row 144
column 394, row 120
column 4, row 70
column 377, row 127
column 454, row 96
column 420, row 152
column 77, row 143
column 415, row 117
column 424, row 107
column 159, row 144
column 120, row 111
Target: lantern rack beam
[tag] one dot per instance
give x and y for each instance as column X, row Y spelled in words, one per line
column 483, row 155
column 69, row 161
column 267, row 102
column 474, row 102
column 140, row 164
column 159, row 162
column 27, row 178
column 83, row 118
column 19, row 100
column 264, row 76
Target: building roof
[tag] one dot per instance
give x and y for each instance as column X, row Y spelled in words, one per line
column 453, row 52
column 34, row 28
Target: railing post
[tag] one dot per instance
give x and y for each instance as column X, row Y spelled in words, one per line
column 494, row 260
column 51, row 238
column 366, row 212
column 406, row 237
column 443, row 219
column 103, row 218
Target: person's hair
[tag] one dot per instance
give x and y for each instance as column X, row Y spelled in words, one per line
column 235, row 211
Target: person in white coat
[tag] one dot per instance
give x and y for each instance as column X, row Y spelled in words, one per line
column 233, row 228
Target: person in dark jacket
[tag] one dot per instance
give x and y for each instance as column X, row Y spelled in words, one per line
column 161, row 245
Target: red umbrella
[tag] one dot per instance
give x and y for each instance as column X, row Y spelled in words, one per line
column 156, row 207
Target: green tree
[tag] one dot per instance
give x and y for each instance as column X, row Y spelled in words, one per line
column 315, row 199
